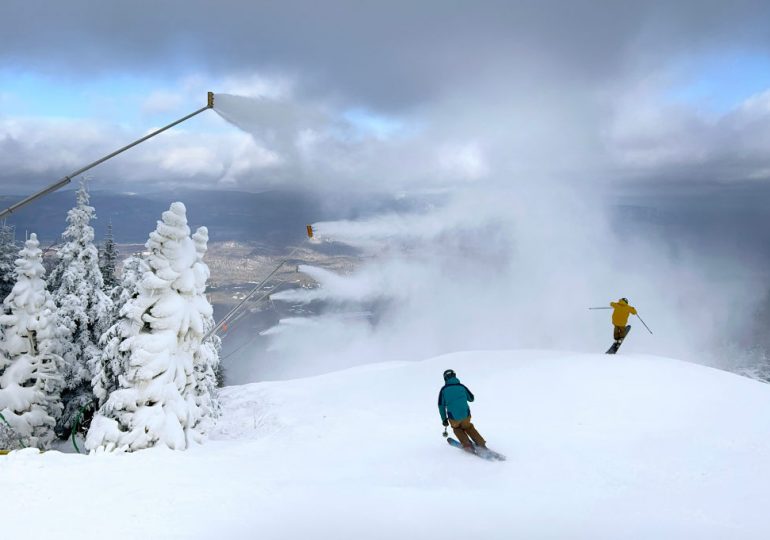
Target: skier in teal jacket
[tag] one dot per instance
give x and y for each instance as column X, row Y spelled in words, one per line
column 453, row 407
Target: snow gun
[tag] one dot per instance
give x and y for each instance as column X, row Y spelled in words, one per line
column 67, row 179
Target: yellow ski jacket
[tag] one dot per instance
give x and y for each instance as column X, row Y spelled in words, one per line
column 621, row 312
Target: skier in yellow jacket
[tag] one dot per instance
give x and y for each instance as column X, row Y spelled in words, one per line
column 620, row 312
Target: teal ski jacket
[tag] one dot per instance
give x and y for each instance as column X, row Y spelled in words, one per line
column 453, row 400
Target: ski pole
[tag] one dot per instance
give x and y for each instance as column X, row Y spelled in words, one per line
column 600, row 307
column 644, row 323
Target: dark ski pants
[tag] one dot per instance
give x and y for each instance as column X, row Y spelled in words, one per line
column 465, row 431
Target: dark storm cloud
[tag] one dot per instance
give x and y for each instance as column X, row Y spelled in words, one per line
column 387, row 54
column 541, row 88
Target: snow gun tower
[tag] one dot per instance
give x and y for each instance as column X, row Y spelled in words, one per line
column 67, row 179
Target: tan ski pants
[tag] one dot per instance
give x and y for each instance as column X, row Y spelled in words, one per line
column 620, row 332
column 465, row 431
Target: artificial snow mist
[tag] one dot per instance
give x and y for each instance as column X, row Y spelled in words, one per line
column 163, row 372
column 29, row 364
column 83, row 308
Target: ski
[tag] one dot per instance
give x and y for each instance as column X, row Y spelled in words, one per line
column 483, row 453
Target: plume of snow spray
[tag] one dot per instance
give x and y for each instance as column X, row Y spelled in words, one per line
column 502, row 259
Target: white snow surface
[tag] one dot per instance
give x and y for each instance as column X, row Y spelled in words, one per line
column 621, row 447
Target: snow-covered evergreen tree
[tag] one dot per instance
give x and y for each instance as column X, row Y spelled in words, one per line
column 29, row 364
column 8, row 253
column 108, row 260
column 83, row 308
column 206, row 357
column 113, row 357
column 163, row 395
column 8, row 437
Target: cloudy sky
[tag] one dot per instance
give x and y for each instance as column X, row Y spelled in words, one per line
column 403, row 94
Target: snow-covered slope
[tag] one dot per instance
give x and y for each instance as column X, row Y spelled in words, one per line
column 598, row 447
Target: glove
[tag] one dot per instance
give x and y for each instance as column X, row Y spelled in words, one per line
column 445, row 423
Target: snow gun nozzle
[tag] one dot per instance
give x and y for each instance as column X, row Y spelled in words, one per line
column 210, row 100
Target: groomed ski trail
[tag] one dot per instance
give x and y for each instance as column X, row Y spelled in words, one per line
column 598, row 447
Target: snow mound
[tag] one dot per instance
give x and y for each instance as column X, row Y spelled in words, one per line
column 597, row 446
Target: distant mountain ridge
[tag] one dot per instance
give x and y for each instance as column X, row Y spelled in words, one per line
column 273, row 217
column 730, row 220
column 229, row 215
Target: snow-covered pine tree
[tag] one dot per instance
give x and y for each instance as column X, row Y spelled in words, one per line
column 114, row 359
column 206, row 356
column 108, row 260
column 84, row 309
column 8, row 253
column 29, row 364
column 8, row 437
column 158, row 400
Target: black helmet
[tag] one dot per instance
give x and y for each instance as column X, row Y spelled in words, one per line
column 448, row 374
column 624, row 300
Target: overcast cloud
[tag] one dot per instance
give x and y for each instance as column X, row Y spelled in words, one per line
column 382, row 53
column 579, row 88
